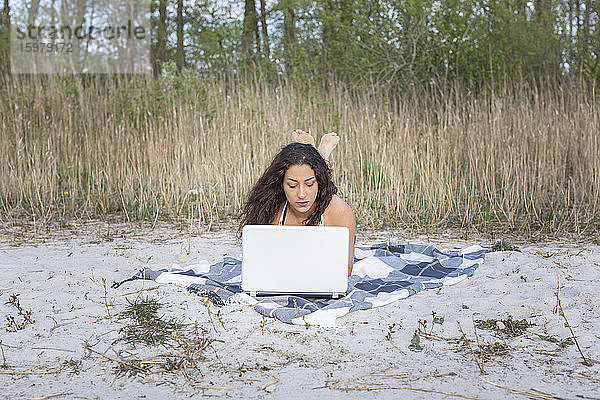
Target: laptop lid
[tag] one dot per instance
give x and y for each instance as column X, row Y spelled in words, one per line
column 304, row 260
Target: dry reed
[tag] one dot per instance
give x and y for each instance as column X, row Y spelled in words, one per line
column 187, row 149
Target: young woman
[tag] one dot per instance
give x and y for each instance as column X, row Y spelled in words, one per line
column 297, row 189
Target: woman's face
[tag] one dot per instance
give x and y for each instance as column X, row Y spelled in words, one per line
column 300, row 187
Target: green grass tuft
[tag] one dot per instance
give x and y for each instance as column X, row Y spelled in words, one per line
column 504, row 245
column 147, row 326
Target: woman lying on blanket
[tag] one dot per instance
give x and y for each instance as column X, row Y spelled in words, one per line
column 297, row 189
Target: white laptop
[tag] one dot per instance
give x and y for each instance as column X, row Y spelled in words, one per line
column 302, row 260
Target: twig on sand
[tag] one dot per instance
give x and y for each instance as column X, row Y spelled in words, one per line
column 478, row 346
column 50, row 396
column 121, row 361
column 533, row 393
column 270, row 383
column 584, row 376
column 435, row 337
column 212, row 387
column 14, row 372
column 60, row 325
column 217, row 357
column 343, row 385
column 140, row 290
column 471, row 348
column 462, row 396
column 53, row 348
column 559, row 310
column 547, row 352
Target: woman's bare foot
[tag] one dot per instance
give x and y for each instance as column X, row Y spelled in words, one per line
column 328, row 143
column 303, row 137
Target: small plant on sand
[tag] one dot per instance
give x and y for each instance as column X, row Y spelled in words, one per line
column 504, row 245
column 507, row 327
column 480, row 349
column 73, row 365
column 107, row 303
column 146, row 326
column 206, row 302
column 390, row 332
column 435, row 320
column 299, row 312
column 553, row 339
column 241, row 369
column 415, row 342
column 192, row 346
column 559, row 310
column 23, row 317
column 185, row 344
column 264, row 322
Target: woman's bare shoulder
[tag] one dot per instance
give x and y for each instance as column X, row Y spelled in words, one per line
column 338, row 212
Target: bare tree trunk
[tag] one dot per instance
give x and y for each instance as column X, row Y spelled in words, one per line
column 33, row 12
column 595, row 67
column 81, row 10
column 263, row 24
column 290, row 40
column 53, row 13
column 545, row 20
column 585, row 39
column 6, row 13
column 257, row 36
column 180, row 54
column 329, row 38
column 344, row 35
column 5, row 38
column 570, row 19
column 64, row 13
column 249, row 31
column 161, row 42
column 578, row 13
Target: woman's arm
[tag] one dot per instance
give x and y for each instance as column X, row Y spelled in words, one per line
column 340, row 214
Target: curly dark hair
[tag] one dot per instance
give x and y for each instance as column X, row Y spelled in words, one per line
column 267, row 195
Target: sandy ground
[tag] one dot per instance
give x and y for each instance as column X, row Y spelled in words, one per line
column 60, row 277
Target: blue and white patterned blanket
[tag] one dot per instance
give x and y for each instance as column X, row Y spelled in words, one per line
column 382, row 274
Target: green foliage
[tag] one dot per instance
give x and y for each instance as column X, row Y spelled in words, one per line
column 391, row 330
column 214, row 34
column 73, row 365
column 504, row 245
column 390, row 43
column 415, row 343
column 506, row 327
column 147, row 327
column 553, row 339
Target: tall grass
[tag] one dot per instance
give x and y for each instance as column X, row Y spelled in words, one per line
column 187, row 149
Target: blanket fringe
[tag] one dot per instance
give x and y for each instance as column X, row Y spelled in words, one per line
column 139, row 275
